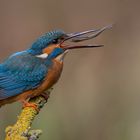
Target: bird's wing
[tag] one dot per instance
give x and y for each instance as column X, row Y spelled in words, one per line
column 20, row 73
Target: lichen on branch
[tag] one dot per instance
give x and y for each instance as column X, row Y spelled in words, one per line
column 21, row 130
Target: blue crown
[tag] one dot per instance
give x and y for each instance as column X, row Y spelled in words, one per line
column 46, row 39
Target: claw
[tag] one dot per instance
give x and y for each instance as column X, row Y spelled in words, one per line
column 27, row 104
column 45, row 95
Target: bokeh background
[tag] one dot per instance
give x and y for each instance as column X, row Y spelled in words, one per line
column 98, row 94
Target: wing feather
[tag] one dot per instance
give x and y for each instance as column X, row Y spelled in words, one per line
column 20, row 73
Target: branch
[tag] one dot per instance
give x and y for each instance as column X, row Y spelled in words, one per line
column 21, row 129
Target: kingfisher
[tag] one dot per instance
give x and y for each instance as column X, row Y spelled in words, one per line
column 29, row 73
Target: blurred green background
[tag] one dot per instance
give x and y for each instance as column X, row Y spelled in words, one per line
column 98, row 94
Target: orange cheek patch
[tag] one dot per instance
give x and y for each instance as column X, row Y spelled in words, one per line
column 50, row 48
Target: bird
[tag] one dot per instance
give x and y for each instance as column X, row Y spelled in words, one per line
column 29, row 73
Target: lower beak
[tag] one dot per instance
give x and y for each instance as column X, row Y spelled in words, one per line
column 82, row 36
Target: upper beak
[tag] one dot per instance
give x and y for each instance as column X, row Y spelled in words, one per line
column 82, row 36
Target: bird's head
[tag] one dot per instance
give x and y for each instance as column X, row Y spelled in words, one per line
column 53, row 44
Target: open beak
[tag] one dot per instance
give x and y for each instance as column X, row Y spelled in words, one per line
column 82, row 36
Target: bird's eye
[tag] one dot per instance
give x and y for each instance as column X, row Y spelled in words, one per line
column 55, row 41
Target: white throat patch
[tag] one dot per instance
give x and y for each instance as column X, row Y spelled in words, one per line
column 44, row 55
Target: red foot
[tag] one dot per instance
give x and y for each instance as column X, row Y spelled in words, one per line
column 33, row 105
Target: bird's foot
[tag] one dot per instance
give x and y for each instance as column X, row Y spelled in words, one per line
column 45, row 95
column 27, row 104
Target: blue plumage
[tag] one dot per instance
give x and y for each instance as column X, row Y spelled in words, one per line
column 24, row 71
column 43, row 41
column 21, row 72
column 38, row 68
column 55, row 53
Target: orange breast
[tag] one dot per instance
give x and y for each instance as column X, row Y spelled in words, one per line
column 51, row 78
column 50, row 48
